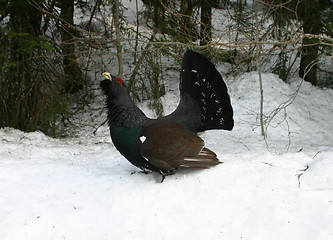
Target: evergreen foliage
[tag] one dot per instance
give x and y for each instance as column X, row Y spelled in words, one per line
column 46, row 55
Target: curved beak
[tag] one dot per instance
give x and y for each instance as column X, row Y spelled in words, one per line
column 107, row 75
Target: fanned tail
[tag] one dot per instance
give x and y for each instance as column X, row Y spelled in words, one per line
column 205, row 102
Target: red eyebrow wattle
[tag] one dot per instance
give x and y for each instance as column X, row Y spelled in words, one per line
column 120, row 81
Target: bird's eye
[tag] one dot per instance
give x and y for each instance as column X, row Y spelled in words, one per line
column 120, row 81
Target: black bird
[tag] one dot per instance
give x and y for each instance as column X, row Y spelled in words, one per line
column 171, row 142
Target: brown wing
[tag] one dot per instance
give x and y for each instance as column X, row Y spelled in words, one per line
column 168, row 145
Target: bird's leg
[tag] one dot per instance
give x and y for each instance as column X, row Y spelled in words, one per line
column 166, row 173
column 163, row 175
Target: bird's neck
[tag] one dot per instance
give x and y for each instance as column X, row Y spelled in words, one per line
column 124, row 113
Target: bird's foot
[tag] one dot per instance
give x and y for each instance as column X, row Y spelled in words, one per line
column 145, row 171
column 166, row 173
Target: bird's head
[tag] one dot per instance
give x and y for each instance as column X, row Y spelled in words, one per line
column 111, row 78
column 113, row 87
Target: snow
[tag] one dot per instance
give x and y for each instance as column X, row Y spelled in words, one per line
column 278, row 188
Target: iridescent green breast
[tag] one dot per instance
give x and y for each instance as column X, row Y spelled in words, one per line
column 125, row 139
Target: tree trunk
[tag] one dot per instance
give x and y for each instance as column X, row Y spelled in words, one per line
column 206, row 23
column 22, row 92
column 73, row 74
column 310, row 16
column 186, row 11
column 257, row 56
column 116, row 25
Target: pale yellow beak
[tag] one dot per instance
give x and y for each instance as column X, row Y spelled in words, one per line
column 107, row 75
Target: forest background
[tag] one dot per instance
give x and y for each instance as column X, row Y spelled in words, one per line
column 54, row 51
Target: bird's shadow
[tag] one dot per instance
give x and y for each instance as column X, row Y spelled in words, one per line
column 177, row 175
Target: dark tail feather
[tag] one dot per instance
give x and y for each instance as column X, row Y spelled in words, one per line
column 203, row 87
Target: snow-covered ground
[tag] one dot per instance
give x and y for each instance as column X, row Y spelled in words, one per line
column 82, row 188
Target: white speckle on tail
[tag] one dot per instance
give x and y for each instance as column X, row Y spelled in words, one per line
column 195, row 71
